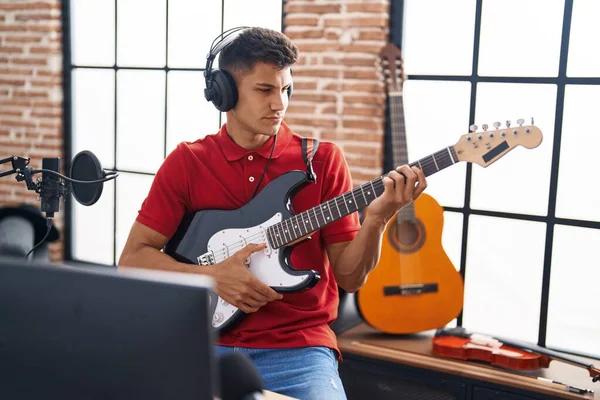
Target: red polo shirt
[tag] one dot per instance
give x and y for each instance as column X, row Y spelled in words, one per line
column 216, row 173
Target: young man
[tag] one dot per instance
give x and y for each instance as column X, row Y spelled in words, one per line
column 287, row 336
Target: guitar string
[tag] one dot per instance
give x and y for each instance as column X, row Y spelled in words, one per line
column 340, row 200
column 377, row 183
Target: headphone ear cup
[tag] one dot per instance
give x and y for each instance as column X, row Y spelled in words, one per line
column 225, row 90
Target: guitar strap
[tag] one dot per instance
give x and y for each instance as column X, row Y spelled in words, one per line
column 309, row 149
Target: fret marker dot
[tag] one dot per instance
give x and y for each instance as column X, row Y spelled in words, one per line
column 350, row 201
column 327, row 217
column 368, row 192
column 306, row 220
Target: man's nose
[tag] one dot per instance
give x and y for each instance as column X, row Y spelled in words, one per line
column 279, row 102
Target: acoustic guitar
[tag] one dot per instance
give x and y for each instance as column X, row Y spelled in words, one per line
column 415, row 287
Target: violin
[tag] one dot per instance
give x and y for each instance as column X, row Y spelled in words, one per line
column 458, row 343
column 502, row 356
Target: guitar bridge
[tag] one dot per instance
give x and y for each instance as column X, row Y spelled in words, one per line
column 410, row 289
column 206, row 259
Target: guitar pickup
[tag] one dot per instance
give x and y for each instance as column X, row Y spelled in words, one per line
column 206, row 259
column 264, row 239
column 410, row 289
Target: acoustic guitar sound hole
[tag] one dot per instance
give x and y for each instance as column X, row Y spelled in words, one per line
column 407, row 236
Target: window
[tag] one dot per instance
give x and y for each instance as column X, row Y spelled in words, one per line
column 135, row 78
column 524, row 231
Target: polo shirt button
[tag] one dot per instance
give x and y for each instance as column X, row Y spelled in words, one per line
column 250, row 158
column 251, row 179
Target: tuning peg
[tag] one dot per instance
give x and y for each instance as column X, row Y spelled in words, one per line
column 531, row 120
column 497, row 125
column 485, row 127
column 473, row 128
column 508, row 124
column 520, row 121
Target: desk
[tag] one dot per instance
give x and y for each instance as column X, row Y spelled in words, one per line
column 276, row 396
column 401, row 365
column 271, row 396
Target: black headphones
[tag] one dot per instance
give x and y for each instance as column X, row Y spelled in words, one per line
column 221, row 89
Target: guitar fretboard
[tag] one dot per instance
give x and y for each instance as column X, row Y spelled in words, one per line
column 399, row 146
column 313, row 219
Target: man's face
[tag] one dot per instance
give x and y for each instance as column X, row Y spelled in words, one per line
column 262, row 99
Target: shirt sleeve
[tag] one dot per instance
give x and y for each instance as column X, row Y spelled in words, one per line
column 336, row 181
column 165, row 205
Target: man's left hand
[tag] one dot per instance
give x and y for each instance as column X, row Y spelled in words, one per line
column 402, row 186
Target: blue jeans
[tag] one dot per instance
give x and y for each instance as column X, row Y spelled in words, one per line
column 305, row 373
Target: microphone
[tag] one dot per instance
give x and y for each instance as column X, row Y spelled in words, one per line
column 49, row 193
column 86, row 182
column 239, row 378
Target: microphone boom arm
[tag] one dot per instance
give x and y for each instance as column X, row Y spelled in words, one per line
column 18, row 164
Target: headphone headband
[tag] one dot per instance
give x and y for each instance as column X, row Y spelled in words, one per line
column 219, row 43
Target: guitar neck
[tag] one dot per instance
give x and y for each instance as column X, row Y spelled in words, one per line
column 398, row 137
column 399, row 145
column 313, row 219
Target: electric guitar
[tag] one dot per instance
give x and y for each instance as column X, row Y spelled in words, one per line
column 415, row 286
column 210, row 236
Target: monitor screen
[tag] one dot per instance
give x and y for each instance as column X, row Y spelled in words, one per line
column 102, row 333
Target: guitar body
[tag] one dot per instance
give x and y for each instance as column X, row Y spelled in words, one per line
column 415, row 286
column 221, row 233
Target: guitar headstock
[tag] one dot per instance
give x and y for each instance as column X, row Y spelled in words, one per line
column 392, row 68
column 485, row 146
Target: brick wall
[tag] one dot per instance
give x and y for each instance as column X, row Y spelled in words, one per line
column 30, row 94
column 338, row 95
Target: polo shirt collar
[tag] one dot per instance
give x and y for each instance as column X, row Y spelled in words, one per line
column 234, row 152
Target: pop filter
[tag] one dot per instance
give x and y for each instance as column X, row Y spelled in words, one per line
column 86, row 167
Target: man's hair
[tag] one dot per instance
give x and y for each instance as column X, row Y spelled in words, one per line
column 256, row 45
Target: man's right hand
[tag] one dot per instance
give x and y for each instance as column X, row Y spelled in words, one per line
column 236, row 284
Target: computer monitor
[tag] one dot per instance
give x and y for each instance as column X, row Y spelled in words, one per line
column 102, row 333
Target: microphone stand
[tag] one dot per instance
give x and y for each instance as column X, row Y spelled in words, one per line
column 20, row 166
column 50, row 188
